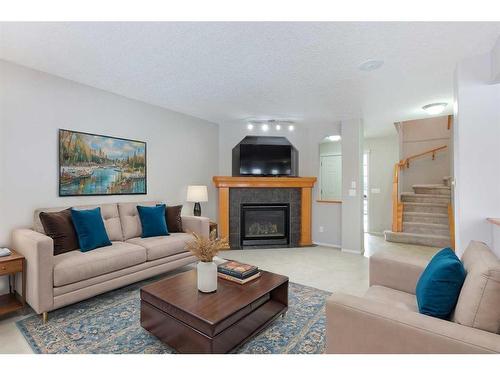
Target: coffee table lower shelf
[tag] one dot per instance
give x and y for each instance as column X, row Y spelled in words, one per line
column 186, row 339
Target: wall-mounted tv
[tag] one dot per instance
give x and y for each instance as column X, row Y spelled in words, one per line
column 265, row 156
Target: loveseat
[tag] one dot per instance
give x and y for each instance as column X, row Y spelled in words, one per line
column 387, row 319
column 54, row 281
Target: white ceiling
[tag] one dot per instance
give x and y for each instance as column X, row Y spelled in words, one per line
column 227, row 72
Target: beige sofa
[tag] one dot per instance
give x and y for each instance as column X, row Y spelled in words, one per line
column 56, row 281
column 386, row 319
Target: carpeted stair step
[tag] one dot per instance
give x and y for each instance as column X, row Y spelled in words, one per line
column 431, row 208
column 426, row 228
column 417, row 239
column 424, row 217
column 425, row 198
column 432, row 189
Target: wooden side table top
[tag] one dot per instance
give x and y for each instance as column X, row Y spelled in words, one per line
column 14, row 256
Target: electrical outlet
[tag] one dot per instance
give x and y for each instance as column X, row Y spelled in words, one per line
column 321, row 229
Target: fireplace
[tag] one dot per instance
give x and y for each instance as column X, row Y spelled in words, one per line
column 265, row 224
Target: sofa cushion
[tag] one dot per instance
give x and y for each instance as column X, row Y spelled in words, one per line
column 439, row 285
column 129, row 218
column 153, row 221
column 76, row 266
column 392, row 297
column 109, row 213
column 174, row 219
column 479, row 303
column 59, row 226
column 90, row 229
column 163, row 246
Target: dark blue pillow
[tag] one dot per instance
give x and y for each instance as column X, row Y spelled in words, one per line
column 90, row 229
column 439, row 285
column 153, row 220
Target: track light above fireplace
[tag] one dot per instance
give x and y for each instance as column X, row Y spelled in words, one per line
column 269, row 125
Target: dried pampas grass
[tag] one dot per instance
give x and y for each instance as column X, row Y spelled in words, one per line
column 205, row 249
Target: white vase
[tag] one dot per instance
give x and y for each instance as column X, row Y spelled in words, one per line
column 207, row 277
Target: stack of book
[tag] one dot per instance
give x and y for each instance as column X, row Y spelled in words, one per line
column 240, row 273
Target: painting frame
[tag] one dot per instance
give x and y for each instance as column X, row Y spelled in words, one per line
column 60, row 165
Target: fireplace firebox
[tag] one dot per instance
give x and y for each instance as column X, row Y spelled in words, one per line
column 265, row 224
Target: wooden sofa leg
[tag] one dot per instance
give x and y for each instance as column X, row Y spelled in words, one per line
column 45, row 317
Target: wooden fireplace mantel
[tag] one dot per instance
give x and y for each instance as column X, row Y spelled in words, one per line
column 305, row 184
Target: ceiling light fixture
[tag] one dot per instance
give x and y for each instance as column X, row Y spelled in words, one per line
column 370, row 65
column 267, row 124
column 434, row 108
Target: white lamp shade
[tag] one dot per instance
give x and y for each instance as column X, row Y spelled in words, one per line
column 197, row 193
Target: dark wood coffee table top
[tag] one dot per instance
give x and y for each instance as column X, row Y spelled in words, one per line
column 181, row 291
column 193, row 322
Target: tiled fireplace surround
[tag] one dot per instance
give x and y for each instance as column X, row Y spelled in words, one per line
column 239, row 196
column 294, row 191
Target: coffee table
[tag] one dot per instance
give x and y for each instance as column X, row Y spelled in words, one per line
column 193, row 322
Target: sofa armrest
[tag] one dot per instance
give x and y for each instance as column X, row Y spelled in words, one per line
column 397, row 271
column 38, row 249
column 197, row 224
column 360, row 325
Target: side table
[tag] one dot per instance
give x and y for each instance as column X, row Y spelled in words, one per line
column 9, row 266
column 214, row 226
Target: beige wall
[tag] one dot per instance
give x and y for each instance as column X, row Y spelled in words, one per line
column 326, row 217
column 383, row 154
column 477, row 156
column 181, row 150
column 421, row 135
column 352, row 180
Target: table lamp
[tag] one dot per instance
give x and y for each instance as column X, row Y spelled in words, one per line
column 197, row 194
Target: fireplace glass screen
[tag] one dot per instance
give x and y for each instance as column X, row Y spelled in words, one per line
column 265, row 224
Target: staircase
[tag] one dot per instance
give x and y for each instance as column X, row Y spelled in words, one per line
column 424, row 216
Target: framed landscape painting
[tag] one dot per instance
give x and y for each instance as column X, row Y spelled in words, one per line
column 92, row 164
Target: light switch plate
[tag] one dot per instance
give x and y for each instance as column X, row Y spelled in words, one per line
column 375, row 190
column 352, row 192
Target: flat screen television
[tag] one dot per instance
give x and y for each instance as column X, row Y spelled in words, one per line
column 265, row 160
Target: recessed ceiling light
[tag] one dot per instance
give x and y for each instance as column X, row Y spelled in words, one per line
column 291, row 127
column 278, row 127
column 434, row 108
column 370, row 65
column 249, row 126
column 265, row 127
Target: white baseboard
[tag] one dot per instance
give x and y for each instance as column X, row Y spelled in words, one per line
column 326, row 244
column 351, row 251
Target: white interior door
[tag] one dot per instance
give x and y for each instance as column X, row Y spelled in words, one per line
column 331, row 177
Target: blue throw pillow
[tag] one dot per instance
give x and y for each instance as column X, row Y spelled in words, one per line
column 90, row 229
column 439, row 285
column 153, row 220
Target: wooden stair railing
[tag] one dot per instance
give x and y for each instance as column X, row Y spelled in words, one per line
column 397, row 205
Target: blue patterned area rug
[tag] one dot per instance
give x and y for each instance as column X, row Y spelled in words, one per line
column 109, row 323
